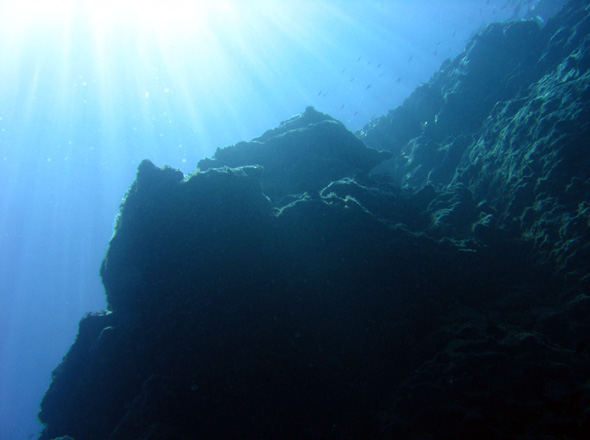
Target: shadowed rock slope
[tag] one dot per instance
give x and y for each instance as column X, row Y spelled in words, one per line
column 425, row 278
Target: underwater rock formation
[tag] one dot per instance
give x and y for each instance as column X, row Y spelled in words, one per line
column 508, row 123
column 303, row 154
column 427, row 278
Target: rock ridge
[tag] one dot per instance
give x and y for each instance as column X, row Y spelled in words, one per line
column 426, row 277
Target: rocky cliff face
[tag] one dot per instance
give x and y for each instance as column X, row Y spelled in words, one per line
column 505, row 124
column 425, row 278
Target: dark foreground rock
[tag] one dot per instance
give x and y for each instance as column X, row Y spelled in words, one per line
column 305, row 286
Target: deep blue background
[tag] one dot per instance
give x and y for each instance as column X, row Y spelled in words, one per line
column 84, row 98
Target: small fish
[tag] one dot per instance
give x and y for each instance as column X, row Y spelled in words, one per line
column 399, row 79
column 352, row 79
column 342, row 106
column 358, row 59
column 411, row 58
column 454, row 33
column 368, row 87
column 356, row 113
column 378, row 65
column 320, row 92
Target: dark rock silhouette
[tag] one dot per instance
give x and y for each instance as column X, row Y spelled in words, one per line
column 427, row 278
column 303, row 154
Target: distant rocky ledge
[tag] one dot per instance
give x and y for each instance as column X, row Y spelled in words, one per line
column 427, row 277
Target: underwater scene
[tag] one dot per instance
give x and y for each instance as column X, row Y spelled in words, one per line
column 264, row 219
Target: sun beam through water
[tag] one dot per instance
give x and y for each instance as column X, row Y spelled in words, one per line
column 202, row 61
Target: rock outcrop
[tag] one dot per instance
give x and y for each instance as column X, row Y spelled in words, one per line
column 427, row 277
column 507, row 123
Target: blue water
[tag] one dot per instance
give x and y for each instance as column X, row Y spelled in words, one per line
column 88, row 89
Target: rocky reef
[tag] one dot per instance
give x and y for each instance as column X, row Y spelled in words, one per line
column 427, row 277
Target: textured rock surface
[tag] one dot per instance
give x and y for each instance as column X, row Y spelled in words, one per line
column 304, row 286
column 304, row 154
column 507, row 125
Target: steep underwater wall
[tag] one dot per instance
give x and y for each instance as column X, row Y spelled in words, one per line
column 305, row 286
column 505, row 124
